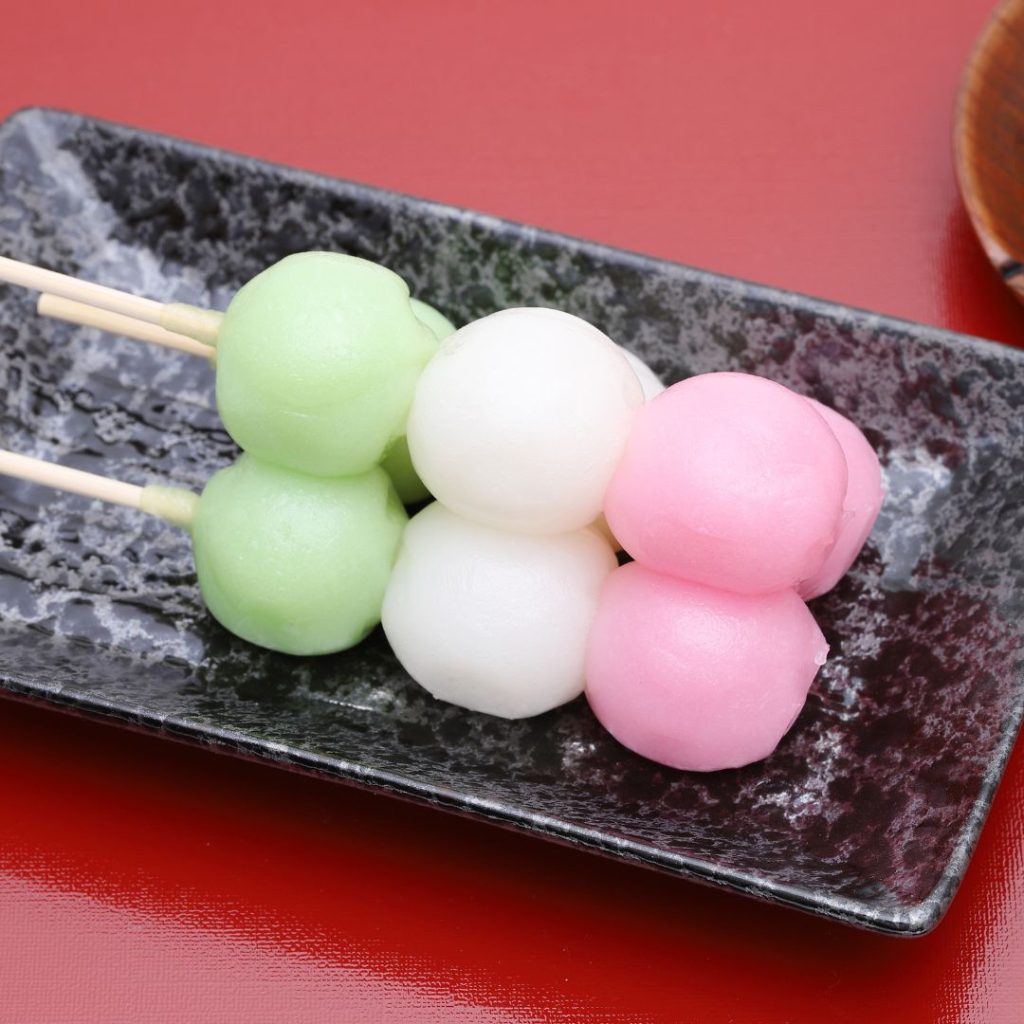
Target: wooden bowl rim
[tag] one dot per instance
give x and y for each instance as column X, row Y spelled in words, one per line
column 1009, row 264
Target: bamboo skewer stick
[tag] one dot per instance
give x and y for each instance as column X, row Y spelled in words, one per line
column 117, row 323
column 175, row 505
column 177, row 317
column 64, row 478
column 28, row 276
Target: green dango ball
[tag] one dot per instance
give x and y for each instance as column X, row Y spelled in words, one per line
column 317, row 360
column 397, row 462
column 295, row 563
column 440, row 326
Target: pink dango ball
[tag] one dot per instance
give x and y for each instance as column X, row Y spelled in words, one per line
column 861, row 505
column 730, row 480
column 697, row 678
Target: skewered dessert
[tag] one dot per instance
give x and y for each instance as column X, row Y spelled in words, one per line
column 317, row 356
column 736, row 497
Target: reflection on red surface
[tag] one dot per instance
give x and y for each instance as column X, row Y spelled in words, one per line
column 800, row 143
column 171, row 878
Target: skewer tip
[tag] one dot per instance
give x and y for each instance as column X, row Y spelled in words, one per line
column 174, row 505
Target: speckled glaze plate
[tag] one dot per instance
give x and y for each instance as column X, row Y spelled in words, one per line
column 867, row 812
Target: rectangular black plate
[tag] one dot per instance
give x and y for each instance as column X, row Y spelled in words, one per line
column 868, row 811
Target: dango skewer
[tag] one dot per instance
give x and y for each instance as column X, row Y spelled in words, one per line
column 317, row 356
column 512, row 546
column 293, row 563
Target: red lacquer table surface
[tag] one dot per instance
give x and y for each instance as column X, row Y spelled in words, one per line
column 800, row 143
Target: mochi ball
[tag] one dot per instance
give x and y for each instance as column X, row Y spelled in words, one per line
column 440, row 326
column 520, row 419
column 861, row 505
column 697, row 678
column 651, row 385
column 317, row 359
column 397, row 462
column 732, row 481
column 493, row 621
column 650, row 382
column 295, row 563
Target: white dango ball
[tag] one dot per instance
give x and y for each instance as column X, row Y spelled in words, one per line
column 492, row 621
column 520, row 419
column 650, row 382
